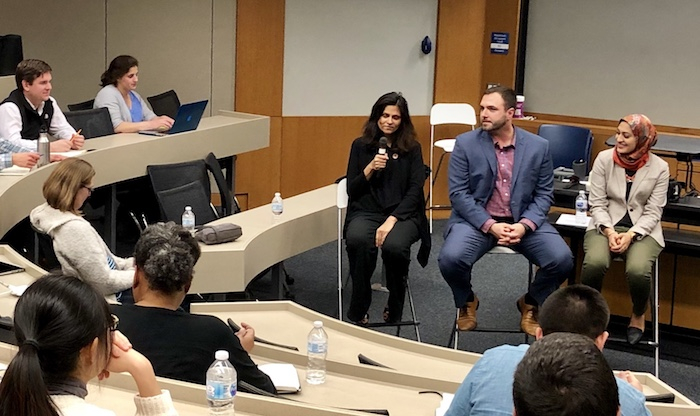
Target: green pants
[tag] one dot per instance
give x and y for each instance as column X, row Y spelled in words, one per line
column 639, row 264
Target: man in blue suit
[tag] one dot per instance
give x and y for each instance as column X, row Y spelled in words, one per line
column 501, row 188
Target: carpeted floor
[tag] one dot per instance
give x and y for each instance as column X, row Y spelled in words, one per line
column 498, row 279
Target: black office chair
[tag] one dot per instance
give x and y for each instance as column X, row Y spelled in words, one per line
column 165, row 104
column 229, row 205
column 183, row 184
column 95, row 122
column 85, row 105
column 567, row 144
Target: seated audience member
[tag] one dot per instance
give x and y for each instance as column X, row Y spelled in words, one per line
column 385, row 207
column 576, row 309
column 78, row 246
column 66, row 337
column 180, row 345
column 12, row 154
column 501, row 187
column 30, row 109
column 564, row 375
column 129, row 112
column 628, row 186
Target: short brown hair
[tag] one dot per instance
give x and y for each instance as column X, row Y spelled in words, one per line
column 506, row 93
column 65, row 181
column 29, row 70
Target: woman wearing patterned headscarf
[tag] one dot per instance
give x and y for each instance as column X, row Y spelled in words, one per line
column 628, row 186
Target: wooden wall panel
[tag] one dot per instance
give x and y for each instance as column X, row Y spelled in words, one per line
column 258, row 172
column 501, row 16
column 259, row 56
column 259, row 75
column 459, row 51
column 316, row 149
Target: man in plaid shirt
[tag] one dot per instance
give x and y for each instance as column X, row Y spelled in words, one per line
column 12, row 154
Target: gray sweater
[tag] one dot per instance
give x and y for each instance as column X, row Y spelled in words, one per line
column 111, row 98
column 82, row 252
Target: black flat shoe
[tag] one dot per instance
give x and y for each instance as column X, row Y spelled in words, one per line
column 362, row 322
column 634, row 335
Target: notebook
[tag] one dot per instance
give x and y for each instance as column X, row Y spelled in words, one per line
column 284, row 376
column 187, row 119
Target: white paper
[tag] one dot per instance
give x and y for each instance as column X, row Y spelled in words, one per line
column 14, row 170
column 284, row 376
column 570, row 220
column 444, row 404
column 70, row 153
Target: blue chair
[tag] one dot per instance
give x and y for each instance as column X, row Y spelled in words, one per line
column 567, row 144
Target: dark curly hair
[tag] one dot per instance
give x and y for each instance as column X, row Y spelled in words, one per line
column 167, row 253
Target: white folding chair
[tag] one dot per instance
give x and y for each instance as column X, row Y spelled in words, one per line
column 342, row 203
column 445, row 113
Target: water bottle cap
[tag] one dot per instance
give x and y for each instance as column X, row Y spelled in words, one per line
column 278, row 194
column 221, row 355
column 318, row 324
column 582, row 192
column 188, row 208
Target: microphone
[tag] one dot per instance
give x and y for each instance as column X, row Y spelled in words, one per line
column 382, row 146
column 381, row 151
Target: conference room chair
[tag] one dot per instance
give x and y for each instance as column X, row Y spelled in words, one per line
column 567, row 144
column 165, row 104
column 454, row 336
column 85, row 105
column 94, row 122
column 445, row 113
column 178, row 185
column 342, row 204
column 229, row 204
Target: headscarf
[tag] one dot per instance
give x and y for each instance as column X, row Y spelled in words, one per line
column 645, row 132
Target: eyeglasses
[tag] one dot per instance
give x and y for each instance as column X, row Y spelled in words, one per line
column 90, row 189
column 115, row 323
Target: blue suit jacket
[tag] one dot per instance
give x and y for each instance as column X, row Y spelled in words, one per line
column 473, row 175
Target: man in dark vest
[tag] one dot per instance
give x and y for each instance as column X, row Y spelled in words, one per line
column 30, row 108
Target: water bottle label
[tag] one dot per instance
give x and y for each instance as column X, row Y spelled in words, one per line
column 581, row 205
column 220, row 391
column 277, row 208
column 316, row 347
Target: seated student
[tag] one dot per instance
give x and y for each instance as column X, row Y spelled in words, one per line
column 12, row 154
column 129, row 112
column 78, row 246
column 67, row 337
column 628, row 194
column 564, row 375
column 180, row 345
column 30, row 108
column 576, row 309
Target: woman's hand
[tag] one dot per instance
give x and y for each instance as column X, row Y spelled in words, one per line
column 384, row 230
column 126, row 359
column 378, row 163
column 623, row 242
column 160, row 123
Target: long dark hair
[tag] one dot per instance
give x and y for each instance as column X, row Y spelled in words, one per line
column 117, row 69
column 404, row 138
column 55, row 319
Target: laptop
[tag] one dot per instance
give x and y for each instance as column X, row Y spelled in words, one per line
column 187, row 119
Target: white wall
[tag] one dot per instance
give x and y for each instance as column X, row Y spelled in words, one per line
column 185, row 45
column 605, row 59
column 341, row 55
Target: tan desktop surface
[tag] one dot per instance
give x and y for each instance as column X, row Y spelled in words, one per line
column 125, row 156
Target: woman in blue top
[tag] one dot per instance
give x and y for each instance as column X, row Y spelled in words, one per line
column 129, row 112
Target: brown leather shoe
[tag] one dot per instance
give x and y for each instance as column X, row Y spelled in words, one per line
column 528, row 319
column 466, row 321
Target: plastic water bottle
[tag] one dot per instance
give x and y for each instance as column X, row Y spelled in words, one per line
column 317, row 349
column 581, row 207
column 277, row 206
column 44, row 149
column 221, row 385
column 188, row 219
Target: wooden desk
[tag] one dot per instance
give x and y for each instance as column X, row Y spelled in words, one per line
column 30, row 274
column 412, row 364
column 309, row 220
column 125, row 156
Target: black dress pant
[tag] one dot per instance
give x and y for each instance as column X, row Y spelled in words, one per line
column 362, row 253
